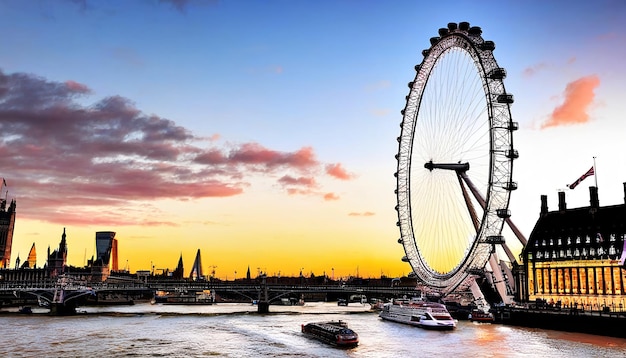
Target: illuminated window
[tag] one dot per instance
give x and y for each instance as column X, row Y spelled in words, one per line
column 608, row 280
column 590, row 283
column 583, row 280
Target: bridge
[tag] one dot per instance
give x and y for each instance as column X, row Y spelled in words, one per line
column 63, row 296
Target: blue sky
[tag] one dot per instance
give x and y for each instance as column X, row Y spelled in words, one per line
column 304, row 87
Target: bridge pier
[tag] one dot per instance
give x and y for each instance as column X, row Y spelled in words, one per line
column 263, row 307
column 62, row 308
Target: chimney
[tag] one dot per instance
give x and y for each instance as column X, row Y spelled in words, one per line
column 544, row 204
column 593, row 197
column 562, row 204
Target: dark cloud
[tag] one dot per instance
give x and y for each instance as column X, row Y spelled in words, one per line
column 63, row 157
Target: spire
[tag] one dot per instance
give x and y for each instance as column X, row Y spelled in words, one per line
column 196, row 269
column 32, row 257
column 179, row 272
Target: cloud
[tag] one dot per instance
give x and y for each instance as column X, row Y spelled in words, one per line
column 579, row 95
column 366, row 213
column 331, row 197
column 532, row 70
column 337, row 171
column 288, row 180
column 87, row 164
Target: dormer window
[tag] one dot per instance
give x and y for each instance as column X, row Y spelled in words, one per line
column 578, row 239
column 569, row 240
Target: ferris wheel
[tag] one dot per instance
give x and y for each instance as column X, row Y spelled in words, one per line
column 455, row 159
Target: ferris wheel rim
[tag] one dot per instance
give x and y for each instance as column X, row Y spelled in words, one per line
column 501, row 155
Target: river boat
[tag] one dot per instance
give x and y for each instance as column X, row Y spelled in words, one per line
column 25, row 310
column 481, row 316
column 423, row 314
column 204, row 297
column 335, row 333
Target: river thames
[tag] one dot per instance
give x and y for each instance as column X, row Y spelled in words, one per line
column 236, row 330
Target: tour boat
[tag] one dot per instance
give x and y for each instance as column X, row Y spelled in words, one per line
column 204, row 297
column 424, row 314
column 480, row 316
column 334, row 332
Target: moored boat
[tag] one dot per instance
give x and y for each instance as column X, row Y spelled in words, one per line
column 423, row 314
column 204, row 297
column 481, row 316
column 333, row 332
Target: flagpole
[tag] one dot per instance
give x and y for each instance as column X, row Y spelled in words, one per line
column 595, row 172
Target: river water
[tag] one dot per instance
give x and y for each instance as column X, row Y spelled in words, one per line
column 236, row 330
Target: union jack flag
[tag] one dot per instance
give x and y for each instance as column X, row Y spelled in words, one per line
column 589, row 173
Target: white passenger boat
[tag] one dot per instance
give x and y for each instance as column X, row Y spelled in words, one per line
column 424, row 314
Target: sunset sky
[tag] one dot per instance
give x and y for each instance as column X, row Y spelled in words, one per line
column 264, row 132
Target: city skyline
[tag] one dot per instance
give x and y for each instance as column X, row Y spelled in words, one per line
column 264, row 133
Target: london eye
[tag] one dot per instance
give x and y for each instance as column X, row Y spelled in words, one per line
column 455, row 159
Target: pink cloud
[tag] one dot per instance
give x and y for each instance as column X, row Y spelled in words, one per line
column 579, row 95
column 77, row 87
column 337, row 171
column 255, row 154
column 68, row 162
column 331, row 196
column 301, row 181
column 532, row 70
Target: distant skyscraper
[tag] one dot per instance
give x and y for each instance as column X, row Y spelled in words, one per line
column 114, row 266
column 32, row 257
column 105, row 242
column 196, row 269
column 7, row 223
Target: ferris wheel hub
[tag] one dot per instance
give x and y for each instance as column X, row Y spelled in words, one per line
column 457, row 167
